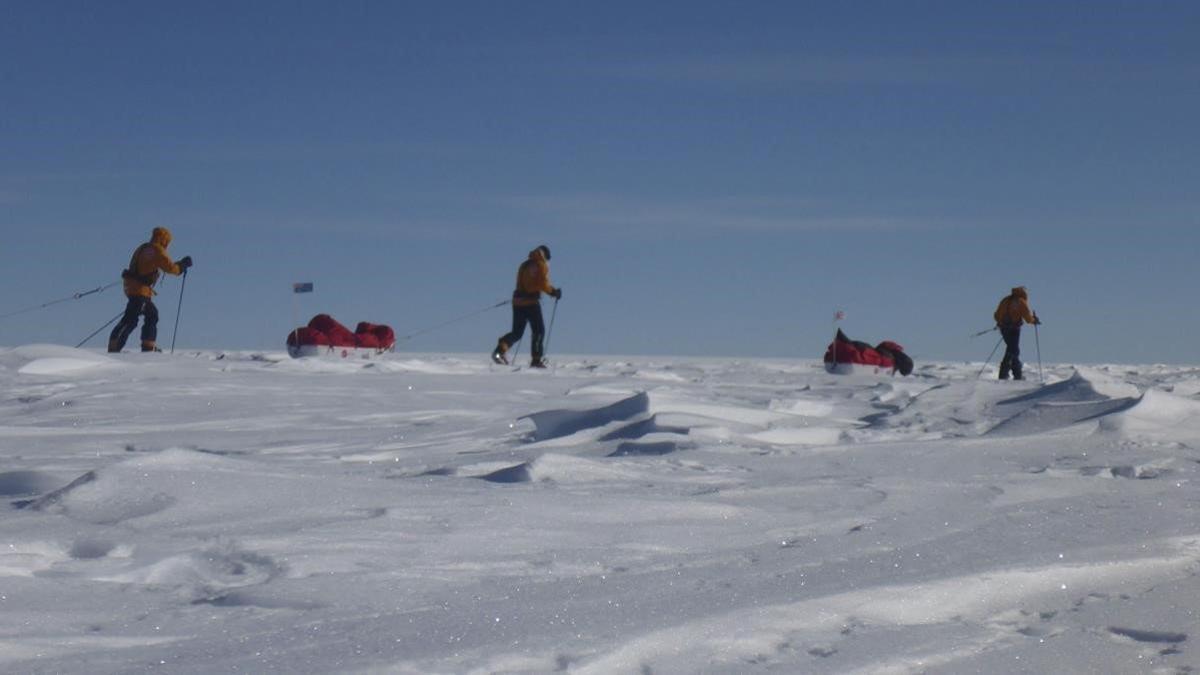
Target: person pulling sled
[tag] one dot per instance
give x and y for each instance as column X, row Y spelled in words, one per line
column 147, row 262
column 533, row 279
column 1011, row 313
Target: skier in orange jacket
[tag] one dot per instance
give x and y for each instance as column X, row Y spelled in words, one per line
column 1013, row 311
column 145, row 266
column 533, row 279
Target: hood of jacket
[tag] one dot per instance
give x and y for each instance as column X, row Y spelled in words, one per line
column 1019, row 292
column 160, row 236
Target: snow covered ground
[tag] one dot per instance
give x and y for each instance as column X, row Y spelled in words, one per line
column 244, row 512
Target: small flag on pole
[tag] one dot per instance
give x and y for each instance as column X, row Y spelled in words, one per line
column 302, row 287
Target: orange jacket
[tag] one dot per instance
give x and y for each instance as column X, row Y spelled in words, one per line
column 533, row 279
column 147, row 261
column 1014, row 309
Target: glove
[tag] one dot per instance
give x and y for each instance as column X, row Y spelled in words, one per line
column 557, row 294
column 184, row 263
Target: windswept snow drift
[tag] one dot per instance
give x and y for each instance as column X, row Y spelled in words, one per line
column 53, row 360
column 243, row 512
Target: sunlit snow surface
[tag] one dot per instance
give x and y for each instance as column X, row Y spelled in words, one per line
column 244, row 512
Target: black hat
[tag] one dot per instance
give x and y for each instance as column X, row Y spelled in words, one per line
column 545, row 251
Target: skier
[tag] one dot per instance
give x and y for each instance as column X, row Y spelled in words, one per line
column 1013, row 311
column 144, row 266
column 533, row 279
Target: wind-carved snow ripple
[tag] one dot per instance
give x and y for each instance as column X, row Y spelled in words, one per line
column 1057, row 406
column 550, row 424
column 54, row 496
column 636, row 425
column 519, row 473
column 100, row 499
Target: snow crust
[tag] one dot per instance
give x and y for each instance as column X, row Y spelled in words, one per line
column 246, row 512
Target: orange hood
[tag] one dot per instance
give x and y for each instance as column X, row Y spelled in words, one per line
column 161, row 236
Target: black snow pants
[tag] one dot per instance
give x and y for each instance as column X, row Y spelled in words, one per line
column 531, row 314
column 138, row 306
column 1012, row 352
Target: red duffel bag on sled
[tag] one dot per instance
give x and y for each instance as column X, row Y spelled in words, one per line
column 845, row 356
column 324, row 336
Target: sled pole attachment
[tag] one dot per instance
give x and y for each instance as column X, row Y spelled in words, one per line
column 178, row 309
column 989, row 358
column 97, row 331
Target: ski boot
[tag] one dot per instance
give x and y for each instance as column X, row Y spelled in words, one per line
column 498, row 357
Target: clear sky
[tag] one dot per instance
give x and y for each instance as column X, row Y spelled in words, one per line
column 713, row 178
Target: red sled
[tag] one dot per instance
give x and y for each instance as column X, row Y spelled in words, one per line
column 845, row 356
column 324, row 336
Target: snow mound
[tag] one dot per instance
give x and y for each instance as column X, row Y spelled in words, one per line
column 1162, row 408
column 202, row 575
column 1080, row 398
column 1082, row 385
column 112, row 499
column 1164, row 415
column 642, row 428
column 742, row 415
column 50, row 360
column 131, row 489
column 519, row 473
column 551, row 424
column 569, row 469
column 566, row 469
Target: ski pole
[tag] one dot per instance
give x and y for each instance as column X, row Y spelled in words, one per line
column 516, row 349
column 110, row 322
column 983, row 332
column 550, row 330
column 178, row 310
column 1038, row 341
column 989, row 358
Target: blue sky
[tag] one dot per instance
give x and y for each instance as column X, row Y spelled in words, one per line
column 713, row 178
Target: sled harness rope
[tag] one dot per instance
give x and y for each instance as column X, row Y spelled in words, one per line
column 74, row 296
column 456, row 319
